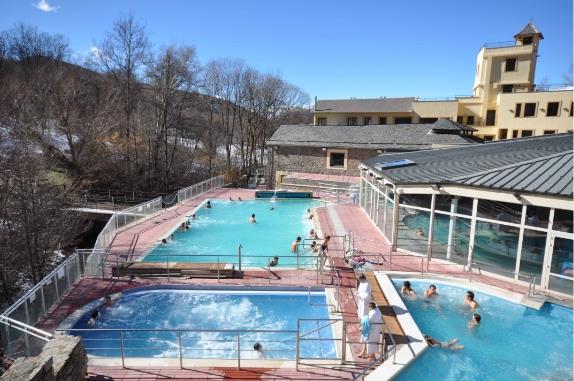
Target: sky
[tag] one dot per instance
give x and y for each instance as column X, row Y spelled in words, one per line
column 331, row 49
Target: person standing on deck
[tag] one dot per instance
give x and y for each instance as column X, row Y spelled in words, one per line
column 371, row 336
column 364, row 294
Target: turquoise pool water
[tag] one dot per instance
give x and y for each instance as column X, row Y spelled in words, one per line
column 221, row 229
column 512, row 342
column 172, row 309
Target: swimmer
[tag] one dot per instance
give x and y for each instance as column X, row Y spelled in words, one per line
column 475, row 321
column 272, row 208
column 469, row 300
column 295, row 245
column 239, row 198
column 208, row 205
column 431, row 291
column 93, row 317
column 313, row 234
column 407, row 290
column 451, row 344
column 258, row 348
column 309, row 214
column 230, row 199
column 163, row 240
column 274, row 262
column 314, row 247
column 108, row 301
column 193, row 217
column 252, row 219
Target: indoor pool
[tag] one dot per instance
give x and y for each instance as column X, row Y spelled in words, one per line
column 220, row 230
column 511, row 343
column 251, row 315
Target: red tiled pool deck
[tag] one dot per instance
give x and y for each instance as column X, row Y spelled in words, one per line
column 332, row 219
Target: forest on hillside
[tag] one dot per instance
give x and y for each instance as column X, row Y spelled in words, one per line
column 130, row 116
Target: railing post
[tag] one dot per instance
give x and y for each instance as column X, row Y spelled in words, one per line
column 343, row 342
column 26, row 340
column 422, row 265
column 218, row 269
column 122, row 349
column 239, row 256
column 167, row 266
column 56, row 287
column 297, row 344
column 103, row 268
column 180, row 350
column 117, row 266
column 238, row 350
column 43, row 300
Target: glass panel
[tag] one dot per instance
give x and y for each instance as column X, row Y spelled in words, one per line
column 532, row 257
column 368, row 199
column 501, row 211
column 381, row 213
column 562, row 257
column 496, row 246
column 562, row 220
column 464, row 206
column 389, row 222
column 443, row 203
column 420, row 200
column 537, row 216
column 413, row 229
column 560, row 284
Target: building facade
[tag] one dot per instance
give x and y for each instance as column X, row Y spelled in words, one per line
column 503, row 207
column 505, row 103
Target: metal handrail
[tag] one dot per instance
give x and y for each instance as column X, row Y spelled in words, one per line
column 36, row 332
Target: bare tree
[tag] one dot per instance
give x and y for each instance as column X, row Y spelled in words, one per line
column 568, row 79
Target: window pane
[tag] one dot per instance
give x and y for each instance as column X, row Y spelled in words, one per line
column 552, row 109
column 527, row 133
column 413, row 230
column 495, row 247
column 529, row 109
column 470, row 120
column 518, row 110
column 501, row 211
column 510, row 64
column 420, row 200
column 382, row 120
column 537, row 216
column 337, row 160
column 533, row 246
column 562, row 220
column 443, row 202
column 403, row 120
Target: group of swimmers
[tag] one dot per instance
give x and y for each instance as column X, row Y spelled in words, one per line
column 431, row 292
column 108, row 302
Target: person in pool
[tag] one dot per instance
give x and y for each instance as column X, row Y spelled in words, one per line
column 431, row 291
column 451, row 344
column 407, row 290
column 208, row 205
column 93, row 317
column 108, row 302
column 474, row 322
column 469, row 300
column 230, row 199
column 274, row 262
column 309, row 214
column 295, row 245
column 252, row 219
column 258, row 348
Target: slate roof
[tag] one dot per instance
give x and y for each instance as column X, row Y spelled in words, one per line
column 391, row 137
column 541, row 164
column 394, row 105
column 449, row 125
column 529, row 30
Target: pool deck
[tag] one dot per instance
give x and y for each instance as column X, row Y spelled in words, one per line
column 332, row 219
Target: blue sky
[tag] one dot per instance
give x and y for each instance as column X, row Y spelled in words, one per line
column 329, row 48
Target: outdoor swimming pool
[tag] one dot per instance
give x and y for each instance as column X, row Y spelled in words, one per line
column 220, row 230
column 512, row 342
column 267, row 317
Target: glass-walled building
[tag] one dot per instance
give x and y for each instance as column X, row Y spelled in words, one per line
column 504, row 207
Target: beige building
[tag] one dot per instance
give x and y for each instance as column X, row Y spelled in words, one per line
column 505, row 103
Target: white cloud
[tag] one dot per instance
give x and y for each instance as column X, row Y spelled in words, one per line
column 45, row 7
column 95, row 51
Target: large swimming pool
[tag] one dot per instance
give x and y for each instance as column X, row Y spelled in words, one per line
column 512, row 342
column 220, row 230
column 198, row 315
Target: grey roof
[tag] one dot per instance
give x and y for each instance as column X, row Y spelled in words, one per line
column 365, row 105
column 403, row 137
column 449, row 125
column 529, row 30
column 541, row 164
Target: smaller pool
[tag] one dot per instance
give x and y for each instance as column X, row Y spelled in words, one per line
column 210, row 323
column 512, row 342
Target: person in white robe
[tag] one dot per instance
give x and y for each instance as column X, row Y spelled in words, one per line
column 372, row 344
column 364, row 296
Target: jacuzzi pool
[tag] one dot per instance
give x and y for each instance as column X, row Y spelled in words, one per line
column 512, row 342
column 152, row 323
column 216, row 233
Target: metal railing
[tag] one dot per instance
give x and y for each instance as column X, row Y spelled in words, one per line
column 499, row 44
column 199, row 188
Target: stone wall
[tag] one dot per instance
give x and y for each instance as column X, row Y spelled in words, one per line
column 62, row 359
column 314, row 160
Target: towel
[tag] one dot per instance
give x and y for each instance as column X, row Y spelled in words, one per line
column 365, row 326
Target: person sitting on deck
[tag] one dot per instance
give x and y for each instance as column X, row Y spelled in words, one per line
column 230, row 199
column 451, row 344
column 407, row 290
column 469, row 300
column 313, row 234
column 274, row 262
column 239, row 198
column 252, row 219
column 431, row 291
column 295, row 245
column 208, row 205
column 309, row 214
column 474, row 322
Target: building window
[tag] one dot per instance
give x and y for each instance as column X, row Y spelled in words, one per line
column 549, row 132
column 571, row 108
column 427, row 120
column 459, row 119
column 367, row 120
column 503, row 133
column 518, row 110
column 321, row 121
column 382, row 120
column 470, row 120
column 510, row 64
column 404, row 120
column 529, row 110
column 514, row 134
column 336, row 159
column 351, row 121
column 507, row 88
column 552, row 108
column 490, row 117
column 527, row 40
column 527, row 133
column 488, row 138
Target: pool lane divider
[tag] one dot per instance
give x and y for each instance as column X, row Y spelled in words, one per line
column 412, row 344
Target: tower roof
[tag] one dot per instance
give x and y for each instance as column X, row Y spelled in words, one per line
column 529, row 30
